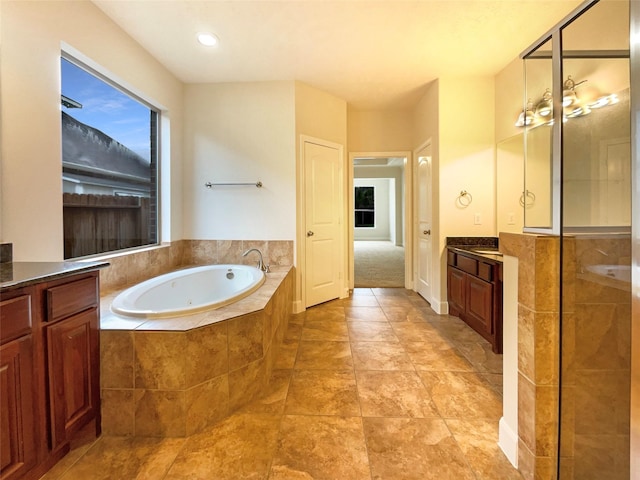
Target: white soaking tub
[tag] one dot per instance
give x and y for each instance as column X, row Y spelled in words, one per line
column 188, row 291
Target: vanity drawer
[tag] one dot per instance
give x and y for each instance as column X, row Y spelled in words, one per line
column 467, row 264
column 485, row 271
column 15, row 317
column 70, row 298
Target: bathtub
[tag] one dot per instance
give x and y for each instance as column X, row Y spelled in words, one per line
column 188, row 291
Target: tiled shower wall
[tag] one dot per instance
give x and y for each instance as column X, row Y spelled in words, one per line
column 134, row 267
column 538, row 346
column 596, row 353
column 596, row 361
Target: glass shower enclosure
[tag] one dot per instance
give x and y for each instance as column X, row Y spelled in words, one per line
column 578, row 173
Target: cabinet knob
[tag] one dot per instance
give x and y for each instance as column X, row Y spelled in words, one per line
column 427, row 232
column 309, row 233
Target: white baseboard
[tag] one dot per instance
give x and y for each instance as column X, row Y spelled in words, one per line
column 441, row 308
column 298, row 307
column 508, row 442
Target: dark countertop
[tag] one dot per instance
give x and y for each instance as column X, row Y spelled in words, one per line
column 22, row 274
column 476, row 246
column 474, row 250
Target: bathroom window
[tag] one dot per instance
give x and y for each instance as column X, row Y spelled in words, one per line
column 365, row 212
column 109, row 164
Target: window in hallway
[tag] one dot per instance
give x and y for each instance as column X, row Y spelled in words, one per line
column 365, row 213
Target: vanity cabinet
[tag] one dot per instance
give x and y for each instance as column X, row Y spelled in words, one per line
column 474, row 293
column 49, row 371
column 18, row 445
column 72, row 336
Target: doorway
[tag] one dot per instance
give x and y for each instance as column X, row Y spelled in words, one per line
column 379, row 225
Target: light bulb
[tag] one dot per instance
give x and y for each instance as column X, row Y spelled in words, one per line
column 208, row 39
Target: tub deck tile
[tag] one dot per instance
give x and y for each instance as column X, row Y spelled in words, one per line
column 183, row 365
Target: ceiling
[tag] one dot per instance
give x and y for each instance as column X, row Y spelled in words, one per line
column 373, row 54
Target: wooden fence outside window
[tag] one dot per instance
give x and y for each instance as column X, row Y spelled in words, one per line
column 103, row 223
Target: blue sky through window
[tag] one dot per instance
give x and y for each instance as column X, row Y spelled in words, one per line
column 107, row 109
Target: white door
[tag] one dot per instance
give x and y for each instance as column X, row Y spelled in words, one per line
column 323, row 220
column 423, row 217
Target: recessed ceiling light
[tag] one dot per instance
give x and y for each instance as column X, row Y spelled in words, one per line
column 208, row 39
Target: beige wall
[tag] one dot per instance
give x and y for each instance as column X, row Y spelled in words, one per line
column 464, row 159
column 240, row 132
column 509, row 148
column 32, row 35
column 509, row 99
column 467, row 149
column 379, row 131
column 510, row 184
column 320, row 115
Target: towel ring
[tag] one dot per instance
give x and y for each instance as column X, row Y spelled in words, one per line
column 465, row 198
column 529, row 196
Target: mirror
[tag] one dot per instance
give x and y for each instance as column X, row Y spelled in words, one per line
column 596, row 150
column 538, row 174
column 510, row 184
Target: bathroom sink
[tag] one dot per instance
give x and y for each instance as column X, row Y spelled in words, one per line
column 617, row 272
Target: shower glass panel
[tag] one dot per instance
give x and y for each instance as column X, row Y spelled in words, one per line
column 536, row 199
column 596, row 246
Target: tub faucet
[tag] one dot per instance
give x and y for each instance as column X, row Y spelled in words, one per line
column 261, row 265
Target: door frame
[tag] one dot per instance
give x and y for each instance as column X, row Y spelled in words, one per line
column 408, row 213
column 301, row 233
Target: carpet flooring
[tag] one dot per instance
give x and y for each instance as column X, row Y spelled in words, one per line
column 378, row 264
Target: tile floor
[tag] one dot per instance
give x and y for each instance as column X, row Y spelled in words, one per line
column 376, row 386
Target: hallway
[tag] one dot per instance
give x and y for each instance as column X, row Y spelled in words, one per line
column 378, row 264
column 376, row 386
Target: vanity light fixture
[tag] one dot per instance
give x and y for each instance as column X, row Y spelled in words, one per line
column 572, row 106
column 208, row 39
column 605, row 100
column 577, row 111
column 569, row 96
column 545, row 106
column 526, row 116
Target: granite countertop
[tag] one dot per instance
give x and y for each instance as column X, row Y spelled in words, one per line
column 477, row 246
column 22, row 274
column 478, row 251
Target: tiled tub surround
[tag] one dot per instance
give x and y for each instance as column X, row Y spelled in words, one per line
column 174, row 377
column 135, row 266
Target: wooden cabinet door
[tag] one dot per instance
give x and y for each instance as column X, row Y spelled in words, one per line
column 73, row 373
column 457, row 291
column 480, row 303
column 17, row 435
